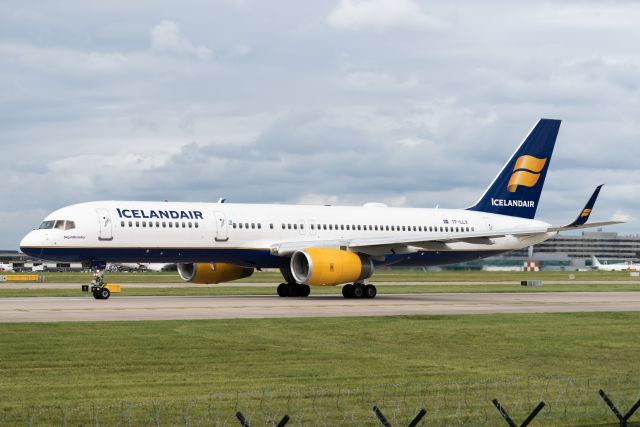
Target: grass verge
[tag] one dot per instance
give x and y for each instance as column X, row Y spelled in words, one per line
column 254, row 364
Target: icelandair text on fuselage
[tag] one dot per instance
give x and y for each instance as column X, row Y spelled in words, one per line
column 144, row 214
column 516, row 203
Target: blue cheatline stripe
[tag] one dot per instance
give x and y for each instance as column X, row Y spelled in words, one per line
column 259, row 258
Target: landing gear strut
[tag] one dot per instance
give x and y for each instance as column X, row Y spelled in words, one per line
column 293, row 290
column 359, row 290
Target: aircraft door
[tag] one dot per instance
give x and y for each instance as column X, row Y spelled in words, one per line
column 106, row 227
column 222, row 228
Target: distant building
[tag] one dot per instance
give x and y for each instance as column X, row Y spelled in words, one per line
column 22, row 262
column 569, row 252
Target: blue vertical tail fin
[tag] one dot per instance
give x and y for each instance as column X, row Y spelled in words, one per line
column 516, row 190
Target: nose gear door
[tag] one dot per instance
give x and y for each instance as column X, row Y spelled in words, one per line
column 222, row 228
column 106, row 228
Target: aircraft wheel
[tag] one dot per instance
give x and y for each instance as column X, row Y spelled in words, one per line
column 305, row 290
column 292, row 290
column 283, row 290
column 370, row 291
column 358, row 291
column 346, row 291
column 104, row 293
column 96, row 295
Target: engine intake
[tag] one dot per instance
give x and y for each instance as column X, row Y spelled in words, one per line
column 218, row 272
column 329, row 267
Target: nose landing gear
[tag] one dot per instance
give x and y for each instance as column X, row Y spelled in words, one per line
column 99, row 288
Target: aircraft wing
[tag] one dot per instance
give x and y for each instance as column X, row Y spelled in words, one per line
column 583, row 216
column 430, row 241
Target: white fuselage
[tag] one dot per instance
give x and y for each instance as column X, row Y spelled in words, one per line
column 246, row 234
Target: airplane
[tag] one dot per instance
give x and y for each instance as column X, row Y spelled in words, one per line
column 137, row 266
column 625, row 266
column 6, row 267
column 310, row 245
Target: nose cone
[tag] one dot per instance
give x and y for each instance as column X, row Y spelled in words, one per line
column 30, row 245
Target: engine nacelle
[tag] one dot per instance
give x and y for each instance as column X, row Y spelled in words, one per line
column 329, row 267
column 218, row 272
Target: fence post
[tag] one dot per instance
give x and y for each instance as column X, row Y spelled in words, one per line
column 622, row 418
column 501, row 409
column 385, row 423
column 245, row 423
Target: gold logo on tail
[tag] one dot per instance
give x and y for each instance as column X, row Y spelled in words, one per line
column 526, row 172
column 585, row 212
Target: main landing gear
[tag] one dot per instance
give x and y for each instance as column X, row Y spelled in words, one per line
column 359, row 290
column 293, row 290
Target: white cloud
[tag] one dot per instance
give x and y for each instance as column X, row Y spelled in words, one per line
column 381, row 15
column 373, row 81
column 166, row 37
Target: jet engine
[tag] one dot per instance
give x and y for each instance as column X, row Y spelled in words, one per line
column 218, row 272
column 329, row 267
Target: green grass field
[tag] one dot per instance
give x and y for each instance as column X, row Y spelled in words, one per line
column 120, row 372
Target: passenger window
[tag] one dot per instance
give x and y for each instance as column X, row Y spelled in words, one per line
column 121, row 223
column 130, row 224
column 144, row 223
column 259, row 226
column 170, row 225
column 312, row 227
column 240, row 225
column 271, row 226
column 375, row 228
column 295, row 226
column 253, row 225
column 330, row 226
column 283, row 226
column 164, row 224
column 189, row 224
column 324, row 226
column 301, row 226
column 246, row 225
column 289, row 226
column 196, row 224
column 137, row 224
column 341, row 226
column 150, row 224
column 348, row 227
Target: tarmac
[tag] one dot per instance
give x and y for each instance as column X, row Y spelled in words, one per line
column 117, row 308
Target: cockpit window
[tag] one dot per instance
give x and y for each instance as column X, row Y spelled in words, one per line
column 60, row 224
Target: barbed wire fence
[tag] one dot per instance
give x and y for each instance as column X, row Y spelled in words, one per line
column 568, row 401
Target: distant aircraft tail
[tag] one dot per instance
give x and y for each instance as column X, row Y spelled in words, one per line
column 594, row 262
column 516, row 190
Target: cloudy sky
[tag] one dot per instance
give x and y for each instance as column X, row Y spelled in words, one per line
column 407, row 102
